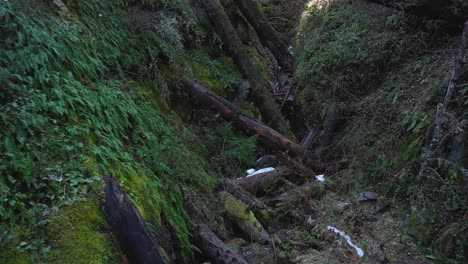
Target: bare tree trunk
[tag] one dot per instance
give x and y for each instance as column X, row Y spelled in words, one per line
column 260, row 89
column 267, row 35
column 131, row 232
column 244, row 122
column 459, row 62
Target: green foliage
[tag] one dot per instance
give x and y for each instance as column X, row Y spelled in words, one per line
column 342, row 54
column 218, row 74
column 232, row 152
column 69, row 114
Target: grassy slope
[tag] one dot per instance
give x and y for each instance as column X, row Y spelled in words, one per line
column 87, row 95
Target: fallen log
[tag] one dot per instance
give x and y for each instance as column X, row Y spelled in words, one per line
column 206, row 240
column 238, row 192
column 261, row 90
column 244, row 218
column 215, row 249
column 262, row 182
column 136, row 242
column 235, row 115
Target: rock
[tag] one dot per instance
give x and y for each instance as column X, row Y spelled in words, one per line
column 366, row 196
column 61, row 7
column 372, row 201
column 244, row 89
column 258, row 254
column 340, row 207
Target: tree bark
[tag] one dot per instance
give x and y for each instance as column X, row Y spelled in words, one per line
column 244, row 122
column 215, row 249
column 206, row 240
column 131, row 232
column 238, row 192
column 260, row 183
column 267, row 35
column 233, row 45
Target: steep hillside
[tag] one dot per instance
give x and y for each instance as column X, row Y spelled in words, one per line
column 177, row 99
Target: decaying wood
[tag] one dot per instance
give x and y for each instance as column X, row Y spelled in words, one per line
column 459, row 61
column 206, row 240
column 245, row 219
column 238, row 192
column 267, row 35
column 215, row 249
column 260, row 89
column 131, row 232
column 259, row 183
column 244, row 122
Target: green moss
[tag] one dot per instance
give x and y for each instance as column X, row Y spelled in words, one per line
column 79, row 234
column 236, row 208
column 14, row 256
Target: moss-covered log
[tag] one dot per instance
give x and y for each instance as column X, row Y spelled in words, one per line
column 261, row 93
column 245, row 219
column 134, row 238
column 206, row 240
column 244, row 122
column 238, row 192
column 267, row 35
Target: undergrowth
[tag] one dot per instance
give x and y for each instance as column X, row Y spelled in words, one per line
column 81, row 98
column 369, row 64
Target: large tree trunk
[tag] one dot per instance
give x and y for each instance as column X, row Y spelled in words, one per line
column 131, row 232
column 260, row 89
column 244, row 122
column 268, row 36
